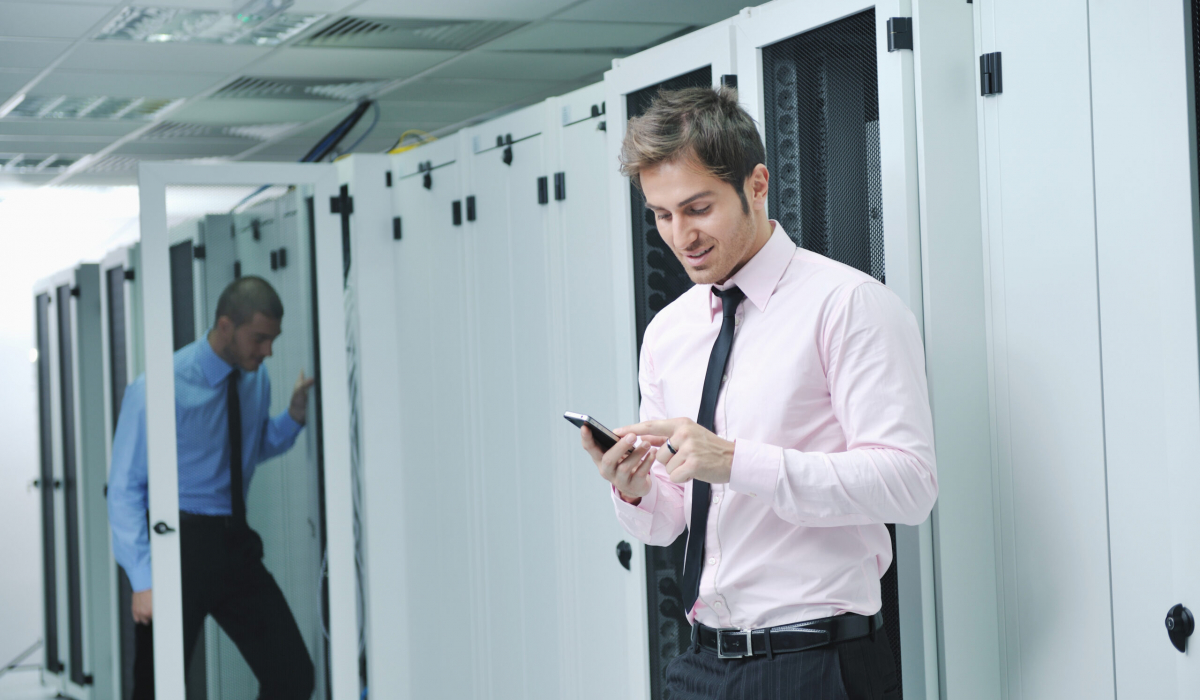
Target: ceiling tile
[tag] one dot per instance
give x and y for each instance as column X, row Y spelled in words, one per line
column 30, row 54
column 67, row 127
column 37, row 19
column 496, row 65
column 163, row 58
column 238, row 112
column 470, row 90
column 621, row 37
column 349, row 63
column 125, row 84
column 184, row 148
column 11, row 143
column 701, row 12
column 408, row 110
column 460, row 9
column 11, row 82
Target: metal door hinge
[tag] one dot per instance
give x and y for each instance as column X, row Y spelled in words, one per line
column 471, row 208
column 990, row 76
column 396, row 231
column 899, row 31
column 130, row 275
column 388, row 178
column 198, row 252
column 729, row 80
column 237, row 269
column 543, row 190
column 256, row 229
column 456, row 212
column 560, row 186
column 335, row 205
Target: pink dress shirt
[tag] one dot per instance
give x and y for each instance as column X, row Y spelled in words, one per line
column 825, row 399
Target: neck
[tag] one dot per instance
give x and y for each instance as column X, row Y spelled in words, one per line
column 763, row 229
column 220, row 348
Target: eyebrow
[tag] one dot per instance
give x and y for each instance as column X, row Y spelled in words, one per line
column 685, row 202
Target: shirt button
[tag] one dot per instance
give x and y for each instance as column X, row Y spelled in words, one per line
column 737, row 321
column 712, row 561
column 725, row 378
column 716, row 499
column 717, row 604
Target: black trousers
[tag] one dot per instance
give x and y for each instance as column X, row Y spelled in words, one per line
column 223, row 576
column 861, row 669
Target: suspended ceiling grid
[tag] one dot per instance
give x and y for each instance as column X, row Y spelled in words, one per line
column 432, row 66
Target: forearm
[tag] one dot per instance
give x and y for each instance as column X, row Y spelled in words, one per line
column 856, row 487
column 279, row 434
column 657, row 519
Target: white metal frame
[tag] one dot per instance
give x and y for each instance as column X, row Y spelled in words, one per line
column 122, row 257
column 712, row 46
column 759, row 27
column 153, row 180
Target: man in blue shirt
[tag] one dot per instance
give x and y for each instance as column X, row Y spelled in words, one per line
column 223, row 430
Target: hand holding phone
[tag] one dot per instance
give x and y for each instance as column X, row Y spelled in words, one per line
column 629, row 469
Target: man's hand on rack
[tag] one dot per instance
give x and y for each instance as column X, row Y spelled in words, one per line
column 299, row 406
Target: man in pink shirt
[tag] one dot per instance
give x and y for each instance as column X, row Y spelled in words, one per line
column 812, row 427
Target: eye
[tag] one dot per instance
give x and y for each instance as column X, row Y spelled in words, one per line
column 663, row 216
column 700, row 212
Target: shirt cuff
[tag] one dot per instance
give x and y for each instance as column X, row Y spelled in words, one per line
column 755, row 470
column 637, row 519
column 140, row 578
column 287, row 425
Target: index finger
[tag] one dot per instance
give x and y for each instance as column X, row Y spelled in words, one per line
column 661, row 428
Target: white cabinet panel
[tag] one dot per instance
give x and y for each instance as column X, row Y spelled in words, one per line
column 1044, row 333
column 1146, row 245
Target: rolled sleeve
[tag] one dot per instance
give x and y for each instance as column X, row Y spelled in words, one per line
column 755, row 469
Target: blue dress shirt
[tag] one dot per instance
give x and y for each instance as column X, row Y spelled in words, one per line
column 202, row 434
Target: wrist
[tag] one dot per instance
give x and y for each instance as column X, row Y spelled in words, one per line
column 631, row 500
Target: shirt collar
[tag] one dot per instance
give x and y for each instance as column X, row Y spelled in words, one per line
column 215, row 369
column 759, row 277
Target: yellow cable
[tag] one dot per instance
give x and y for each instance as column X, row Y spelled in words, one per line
column 426, row 138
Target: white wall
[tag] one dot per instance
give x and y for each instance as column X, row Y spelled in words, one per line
column 42, row 231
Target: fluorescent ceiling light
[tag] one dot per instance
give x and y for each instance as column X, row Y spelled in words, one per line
column 261, row 10
column 11, row 104
column 91, row 108
column 169, row 24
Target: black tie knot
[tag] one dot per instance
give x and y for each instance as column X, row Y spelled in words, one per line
column 730, row 299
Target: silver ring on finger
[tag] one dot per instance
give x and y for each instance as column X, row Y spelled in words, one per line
column 671, row 447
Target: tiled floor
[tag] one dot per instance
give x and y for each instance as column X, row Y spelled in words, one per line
column 23, row 685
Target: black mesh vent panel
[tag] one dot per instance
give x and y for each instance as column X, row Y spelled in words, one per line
column 822, row 124
column 119, row 377
column 183, row 294
column 659, row 279
column 821, row 93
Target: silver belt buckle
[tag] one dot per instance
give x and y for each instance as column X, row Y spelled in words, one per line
column 733, row 632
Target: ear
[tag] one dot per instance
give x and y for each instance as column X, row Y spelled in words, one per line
column 224, row 325
column 757, row 185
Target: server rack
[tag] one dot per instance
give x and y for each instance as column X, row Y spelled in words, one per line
column 76, row 588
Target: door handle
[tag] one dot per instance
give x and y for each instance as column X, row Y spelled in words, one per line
column 162, row 528
column 1180, row 625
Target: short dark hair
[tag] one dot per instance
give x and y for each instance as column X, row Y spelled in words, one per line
column 703, row 123
column 247, row 296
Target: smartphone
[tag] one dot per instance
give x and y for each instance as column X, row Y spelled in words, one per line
column 603, row 436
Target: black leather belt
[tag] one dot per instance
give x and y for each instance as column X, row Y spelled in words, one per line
column 733, row 643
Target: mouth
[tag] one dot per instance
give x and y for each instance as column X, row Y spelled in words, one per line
column 699, row 257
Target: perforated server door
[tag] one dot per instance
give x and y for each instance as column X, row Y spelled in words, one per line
column 655, row 279
column 835, row 110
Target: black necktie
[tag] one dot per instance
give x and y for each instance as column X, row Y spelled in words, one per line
column 234, row 410
column 693, row 562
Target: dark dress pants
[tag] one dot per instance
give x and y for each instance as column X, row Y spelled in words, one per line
column 223, row 576
column 862, row 669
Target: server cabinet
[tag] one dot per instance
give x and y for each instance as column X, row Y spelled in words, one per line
column 77, row 588
column 120, row 333
column 603, row 618
column 308, row 553
column 836, row 110
column 648, row 278
column 1040, row 231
